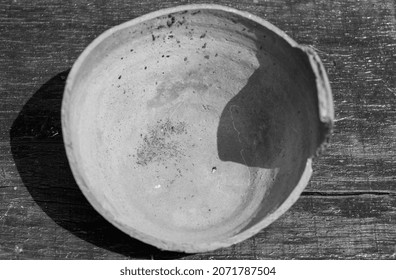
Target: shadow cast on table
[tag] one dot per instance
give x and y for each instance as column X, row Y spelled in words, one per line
column 38, row 150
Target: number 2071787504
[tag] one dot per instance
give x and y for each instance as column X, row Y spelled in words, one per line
column 243, row 270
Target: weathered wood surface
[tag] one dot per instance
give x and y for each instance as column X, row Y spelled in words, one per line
column 348, row 211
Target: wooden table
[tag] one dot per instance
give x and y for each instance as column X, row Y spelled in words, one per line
column 348, row 211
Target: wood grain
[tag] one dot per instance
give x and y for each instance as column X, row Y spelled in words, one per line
column 346, row 212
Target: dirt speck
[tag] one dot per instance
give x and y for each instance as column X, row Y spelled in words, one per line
column 158, row 144
column 171, row 20
column 204, row 46
column 206, row 56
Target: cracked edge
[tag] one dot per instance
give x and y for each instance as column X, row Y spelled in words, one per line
column 325, row 99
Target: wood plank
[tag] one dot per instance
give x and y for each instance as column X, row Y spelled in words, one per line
column 344, row 227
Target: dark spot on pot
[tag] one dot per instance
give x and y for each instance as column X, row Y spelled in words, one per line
column 194, row 13
column 243, row 29
column 163, row 55
column 160, row 26
column 178, row 41
column 158, row 145
column 202, row 36
column 145, row 67
column 206, row 56
column 170, row 21
column 131, row 50
column 184, row 12
column 170, row 36
column 185, row 59
column 119, row 77
column 204, row 46
column 152, row 36
column 122, row 58
column 168, row 56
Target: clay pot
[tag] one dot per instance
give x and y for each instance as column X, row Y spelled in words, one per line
column 193, row 128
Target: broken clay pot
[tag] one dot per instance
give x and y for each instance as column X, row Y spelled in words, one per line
column 193, row 128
